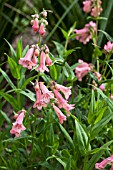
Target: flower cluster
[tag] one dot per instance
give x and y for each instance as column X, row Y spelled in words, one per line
column 104, row 163
column 35, row 56
column 54, row 97
column 85, row 34
column 39, row 22
column 18, row 124
column 93, row 7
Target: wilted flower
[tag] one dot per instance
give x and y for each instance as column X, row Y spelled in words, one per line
column 18, row 124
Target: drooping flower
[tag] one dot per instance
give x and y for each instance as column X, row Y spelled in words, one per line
column 48, row 60
column 108, row 47
column 18, row 124
column 65, row 90
column 42, row 29
column 82, row 69
column 85, row 34
column 62, row 103
column 47, row 95
column 35, row 26
column 98, row 76
column 96, row 11
column 60, row 115
column 104, row 163
column 27, row 61
column 39, row 100
column 42, row 67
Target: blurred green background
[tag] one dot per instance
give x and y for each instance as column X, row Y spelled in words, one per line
column 15, row 19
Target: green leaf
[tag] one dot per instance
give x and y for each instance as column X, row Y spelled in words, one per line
column 91, row 108
column 59, row 47
column 65, row 34
column 82, row 138
column 5, row 116
column 68, row 165
column 26, row 82
column 14, row 68
column 7, row 79
column 100, row 114
column 11, row 100
column 68, row 52
column 107, row 35
column 19, row 49
column 29, row 94
column 12, row 50
column 101, row 124
column 53, row 72
column 67, row 135
column 25, row 50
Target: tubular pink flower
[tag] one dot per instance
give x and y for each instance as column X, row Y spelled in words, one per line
column 102, row 87
column 42, row 67
column 82, row 69
column 104, row 163
column 39, row 100
column 85, row 34
column 47, row 95
column 48, row 60
column 27, row 60
column 87, row 6
column 42, row 29
column 65, row 90
column 60, row 115
column 62, row 103
column 60, row 99
column 17, row 125
column 96, row 11
column 108, row 47
column 111, row 96
column 35, row 25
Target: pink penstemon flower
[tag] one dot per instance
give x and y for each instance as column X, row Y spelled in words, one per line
column 46, row 94
column 85, row 34
column 102, row 87
column 35, row 26
column 39, row 100
column 108, row 47
column 87, row 6
column 42, row 29
column 27, row 60
column 62, row 103
column 48, row 60
column 82, row 69
column 104, row 163
column 42, row 67
column 60, row 115
column 18, row 124
column 65, row 90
